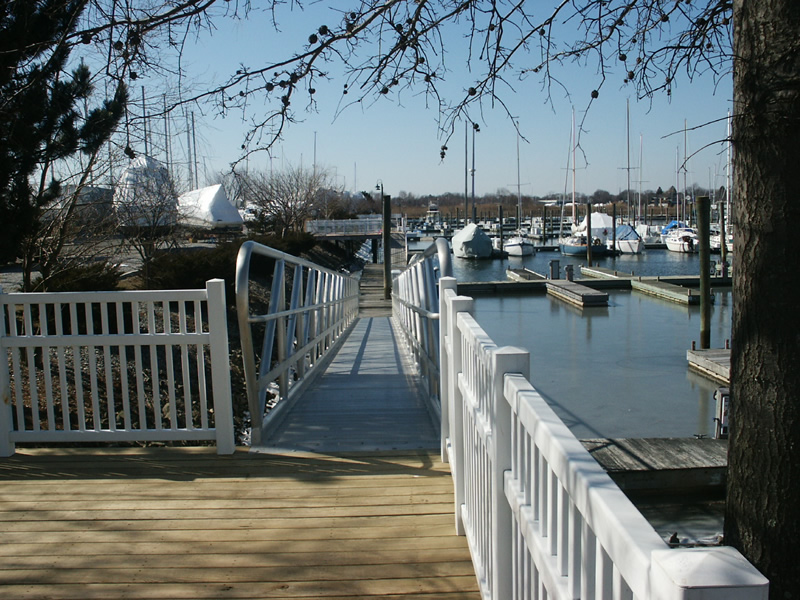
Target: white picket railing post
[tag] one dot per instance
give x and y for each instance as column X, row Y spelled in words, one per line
column 505, row 360
column 220, row 366
column 6, row 417
column 456, row 304
column 447, row 285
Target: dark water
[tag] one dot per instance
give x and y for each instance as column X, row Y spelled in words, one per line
column 619, row 371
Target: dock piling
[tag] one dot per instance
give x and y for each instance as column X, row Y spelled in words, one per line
column 703, row 217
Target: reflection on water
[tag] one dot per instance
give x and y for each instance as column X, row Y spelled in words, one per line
column 619, row 371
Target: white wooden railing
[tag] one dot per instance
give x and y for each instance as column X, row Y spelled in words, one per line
column 368, row 226
column 115, row 367
column 309, row 310
column 542, row 518
column 415, row 308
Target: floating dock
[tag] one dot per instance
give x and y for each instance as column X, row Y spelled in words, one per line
column 524, row 274
column 714, row 363
column 666, row 291
column 576, row 294
column 660, row 464
column 652, row 286
column 603, row 273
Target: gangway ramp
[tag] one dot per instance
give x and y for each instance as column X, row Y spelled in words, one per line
column 368, row 398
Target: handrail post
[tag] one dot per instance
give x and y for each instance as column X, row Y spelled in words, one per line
column 7, row 447
column 242, row 291
column 220, row 366
column 457, row 304
column 506, row 360
column 446, row 285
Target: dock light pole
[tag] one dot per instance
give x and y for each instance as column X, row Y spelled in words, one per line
column 387, row 242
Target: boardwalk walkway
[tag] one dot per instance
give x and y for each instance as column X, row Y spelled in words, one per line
column 368, row 398
column 185, row 523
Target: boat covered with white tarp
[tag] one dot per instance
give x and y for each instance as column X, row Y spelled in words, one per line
column 208, row 208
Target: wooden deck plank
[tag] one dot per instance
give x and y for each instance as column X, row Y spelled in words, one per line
column 185, row 523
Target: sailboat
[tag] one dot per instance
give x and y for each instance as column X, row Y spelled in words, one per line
column 518, row 244
column 627, row 239
column 576, row 244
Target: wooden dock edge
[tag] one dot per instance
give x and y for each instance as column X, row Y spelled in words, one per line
column 576, row 294
column 714, row 363
column 663, row 465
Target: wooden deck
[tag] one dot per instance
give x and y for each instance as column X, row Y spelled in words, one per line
column 185, row 523
column 281, row 523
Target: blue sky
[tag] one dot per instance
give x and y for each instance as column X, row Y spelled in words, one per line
column 395, row 140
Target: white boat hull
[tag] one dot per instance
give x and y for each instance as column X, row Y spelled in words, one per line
column 630, row 246
column 518, row 246
column 682, row 242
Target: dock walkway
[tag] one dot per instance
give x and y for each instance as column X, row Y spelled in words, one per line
column 368, row 398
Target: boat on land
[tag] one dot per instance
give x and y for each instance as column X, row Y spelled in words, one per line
column 471, row 242
column 208, row 209
column 628, row 241
column 682, row 239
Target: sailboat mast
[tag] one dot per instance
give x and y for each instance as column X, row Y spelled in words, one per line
column 628, row 145
column 466, row 173
column 519, row 193
column 685, row 167
column 728, row 179
column 640, row 179
column 574, row 216
column 677, row 183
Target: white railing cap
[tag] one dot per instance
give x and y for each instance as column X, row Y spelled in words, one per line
column 714, row 573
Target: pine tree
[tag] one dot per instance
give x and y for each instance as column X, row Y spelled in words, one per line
column 40, row 120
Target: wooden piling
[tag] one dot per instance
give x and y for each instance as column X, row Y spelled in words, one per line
column 703, row 217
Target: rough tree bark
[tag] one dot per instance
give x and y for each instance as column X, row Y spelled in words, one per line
column 764, row 465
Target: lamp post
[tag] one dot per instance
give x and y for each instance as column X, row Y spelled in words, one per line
column 387, row 242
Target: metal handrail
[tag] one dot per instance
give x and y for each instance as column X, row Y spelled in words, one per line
column 298, row 339
column 415, row 307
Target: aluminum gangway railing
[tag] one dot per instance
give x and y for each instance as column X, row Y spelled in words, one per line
column 542, row 517
column 415, row 308
column 288, row 337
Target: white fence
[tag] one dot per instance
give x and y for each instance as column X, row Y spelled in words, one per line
column 115, row 366
column 309, row 309
column 543, row 520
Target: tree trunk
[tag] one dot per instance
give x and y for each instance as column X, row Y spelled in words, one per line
column 763, row 501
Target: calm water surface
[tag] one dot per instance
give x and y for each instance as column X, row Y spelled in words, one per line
column 619, row 371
